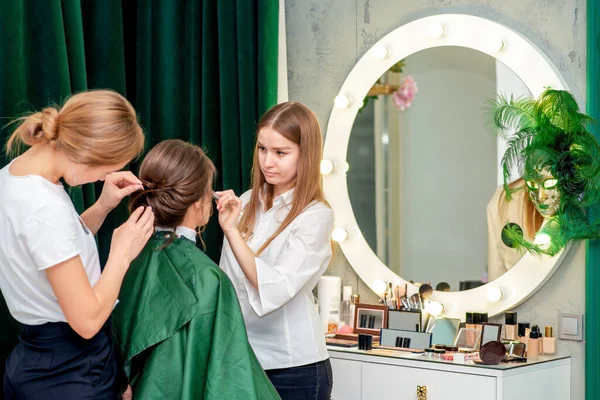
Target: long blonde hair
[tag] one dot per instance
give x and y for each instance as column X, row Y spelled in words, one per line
column 297, row 123
column 94, row 128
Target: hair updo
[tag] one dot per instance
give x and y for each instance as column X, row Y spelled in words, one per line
column 175, row 175
column 94, row 128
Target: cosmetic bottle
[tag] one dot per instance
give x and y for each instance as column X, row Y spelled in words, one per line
column 533, row 344
column 479, row 319
column 354, row 300
column 523, row 330
column 345, row 306
column 334, row 322
column 549, row 342
column 470, row 323
column 484, row 318
column 429, row 354
column 510, row 327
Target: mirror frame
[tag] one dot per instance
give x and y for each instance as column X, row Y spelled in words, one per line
column 529, row 63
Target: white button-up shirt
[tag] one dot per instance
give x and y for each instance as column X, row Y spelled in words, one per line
column 283, row 326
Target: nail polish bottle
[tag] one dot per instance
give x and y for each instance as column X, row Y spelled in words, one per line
column 549, row 342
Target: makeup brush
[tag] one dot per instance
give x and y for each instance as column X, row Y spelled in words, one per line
column 404, row 297
column 415, row 299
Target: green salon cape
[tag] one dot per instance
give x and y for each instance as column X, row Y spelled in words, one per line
column 179, row 330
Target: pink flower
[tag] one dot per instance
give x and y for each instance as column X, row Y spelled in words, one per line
column 404, row 96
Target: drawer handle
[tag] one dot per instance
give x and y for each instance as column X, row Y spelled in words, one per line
column 421, row 392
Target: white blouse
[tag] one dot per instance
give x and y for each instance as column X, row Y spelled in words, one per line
column 283, row 326
column 39, row 228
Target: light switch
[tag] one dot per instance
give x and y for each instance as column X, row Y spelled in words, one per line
column 570, row 326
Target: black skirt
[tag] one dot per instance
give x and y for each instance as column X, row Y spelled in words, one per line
column 51, row 361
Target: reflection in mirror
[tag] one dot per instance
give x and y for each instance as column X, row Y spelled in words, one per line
column 424, row 168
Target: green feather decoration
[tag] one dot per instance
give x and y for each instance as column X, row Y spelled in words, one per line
column 549, row 134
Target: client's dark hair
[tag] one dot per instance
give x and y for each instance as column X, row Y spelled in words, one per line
column 175, row 175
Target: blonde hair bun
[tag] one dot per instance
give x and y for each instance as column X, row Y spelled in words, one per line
column 49, row 123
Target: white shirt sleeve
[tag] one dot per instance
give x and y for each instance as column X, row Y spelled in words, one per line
column 51, row 236
column 306, row 255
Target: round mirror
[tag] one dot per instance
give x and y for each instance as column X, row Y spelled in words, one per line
column 410, row 176
column 420, row 146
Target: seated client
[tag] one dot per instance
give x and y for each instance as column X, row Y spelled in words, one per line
column 178, row 327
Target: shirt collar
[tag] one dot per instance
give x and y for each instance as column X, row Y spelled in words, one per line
column 284, row 198
column 180, row 231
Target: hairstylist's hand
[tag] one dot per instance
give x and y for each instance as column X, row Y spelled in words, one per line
column 129, row 239
column 229, row 207
column 117, row 186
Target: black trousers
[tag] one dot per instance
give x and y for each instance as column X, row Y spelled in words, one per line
column 307, row 382
column 51, row 361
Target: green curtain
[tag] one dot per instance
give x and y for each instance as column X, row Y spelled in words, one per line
column 592, row 270
column 198, row 70
column 206, row 71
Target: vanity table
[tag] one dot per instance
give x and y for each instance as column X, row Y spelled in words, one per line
column 380, row 374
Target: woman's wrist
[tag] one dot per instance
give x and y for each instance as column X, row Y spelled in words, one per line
column 232, row 231
column 118, row 261
column 102, row 207
column 234, row 236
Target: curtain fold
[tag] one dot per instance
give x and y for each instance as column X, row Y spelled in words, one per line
column 197, row 70
column 592, row 270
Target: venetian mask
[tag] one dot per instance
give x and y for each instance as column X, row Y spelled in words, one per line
column 543, row 192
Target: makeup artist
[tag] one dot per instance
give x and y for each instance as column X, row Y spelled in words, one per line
column 278, row 250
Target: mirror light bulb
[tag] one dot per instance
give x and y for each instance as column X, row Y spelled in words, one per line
column 326, row 167
column 341, row 101
column 339, row 234
column 436, row 31
column 495, row 45
column 379, row 286
column 542, row 239
column 379, row 52
column 494, row 294
column 434, row 308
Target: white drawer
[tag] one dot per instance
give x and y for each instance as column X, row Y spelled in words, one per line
column 382, row 381
column 347, row 379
